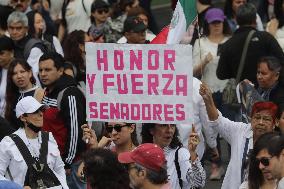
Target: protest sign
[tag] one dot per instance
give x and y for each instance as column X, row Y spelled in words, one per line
column 139, row 83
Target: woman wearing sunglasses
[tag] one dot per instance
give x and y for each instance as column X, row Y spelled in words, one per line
column 119, row 137
column 259, row 177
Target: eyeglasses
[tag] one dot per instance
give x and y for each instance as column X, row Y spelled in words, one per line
column 263, row 118
column 264, row 161
column 116, row 127
column 17, row 28
column 101, row 11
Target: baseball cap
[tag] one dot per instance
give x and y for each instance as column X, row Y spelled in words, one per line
column 27, row 105
column 214, row 14
column 133, row 24
column 148, row 155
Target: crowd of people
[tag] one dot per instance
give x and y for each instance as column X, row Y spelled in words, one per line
column 46, row 141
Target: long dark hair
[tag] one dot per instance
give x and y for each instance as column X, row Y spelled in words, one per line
column 255, row 177
column 228, row 9
column 120, row 7
column 278, row 10
column 147, row 137
column 12, row 89
column 72, row 52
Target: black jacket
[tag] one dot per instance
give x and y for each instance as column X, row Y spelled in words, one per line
column 261, row 44
column 64, row 120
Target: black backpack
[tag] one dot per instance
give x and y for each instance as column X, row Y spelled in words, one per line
column 39, row 175
column 45, row 45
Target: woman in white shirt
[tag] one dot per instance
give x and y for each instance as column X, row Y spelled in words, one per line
column 183, row 165
column 205, row 61
column 12, row 164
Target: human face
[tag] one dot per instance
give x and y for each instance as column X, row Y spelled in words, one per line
column 6, row 58
column 17, row 31
column 20, row 5
column 136, row 37
column 134, row 177
column 120, row 132
column 216, row 28
column 262, row 122
column 265, row 77
column 281, row 123
column 22, row 77
column 48, row 73
column 163, row 134
column 35, row 118
column 38, row 24
column 236, row 4
column 263, row 155
column 276, row 165
column 101, row 15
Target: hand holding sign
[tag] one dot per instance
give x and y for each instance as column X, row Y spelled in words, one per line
column 193, row 141
column 89, row 136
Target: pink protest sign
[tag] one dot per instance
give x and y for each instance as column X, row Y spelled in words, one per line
column 139, row 83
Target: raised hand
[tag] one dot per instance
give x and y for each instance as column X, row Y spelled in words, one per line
column 193, row 141
column 89, row 136
column 105, row 141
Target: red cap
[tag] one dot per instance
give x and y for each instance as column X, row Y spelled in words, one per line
column 149, row 155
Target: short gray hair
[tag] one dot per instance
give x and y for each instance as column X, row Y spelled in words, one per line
column 18, row 16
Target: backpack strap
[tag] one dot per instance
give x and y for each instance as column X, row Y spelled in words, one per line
column 59, row 98
column 44, row 147
column 29, row 45
column 178, row 167
column 23, row 150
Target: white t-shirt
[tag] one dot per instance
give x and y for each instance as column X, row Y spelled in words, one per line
column 209, row 73
column 76, row 17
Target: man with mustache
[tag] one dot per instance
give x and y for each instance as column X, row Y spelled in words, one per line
column 240, row 136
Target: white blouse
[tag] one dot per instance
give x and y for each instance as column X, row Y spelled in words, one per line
column 209, row 73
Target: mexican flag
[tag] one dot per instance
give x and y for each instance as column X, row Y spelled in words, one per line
column 184, row 15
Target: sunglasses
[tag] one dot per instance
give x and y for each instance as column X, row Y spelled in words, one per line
column 101, row 11
column 116, row 127
column 264, row 161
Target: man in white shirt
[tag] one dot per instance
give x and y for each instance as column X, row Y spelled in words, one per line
column 240, row 136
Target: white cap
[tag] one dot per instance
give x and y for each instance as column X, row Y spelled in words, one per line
column 27, row 105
